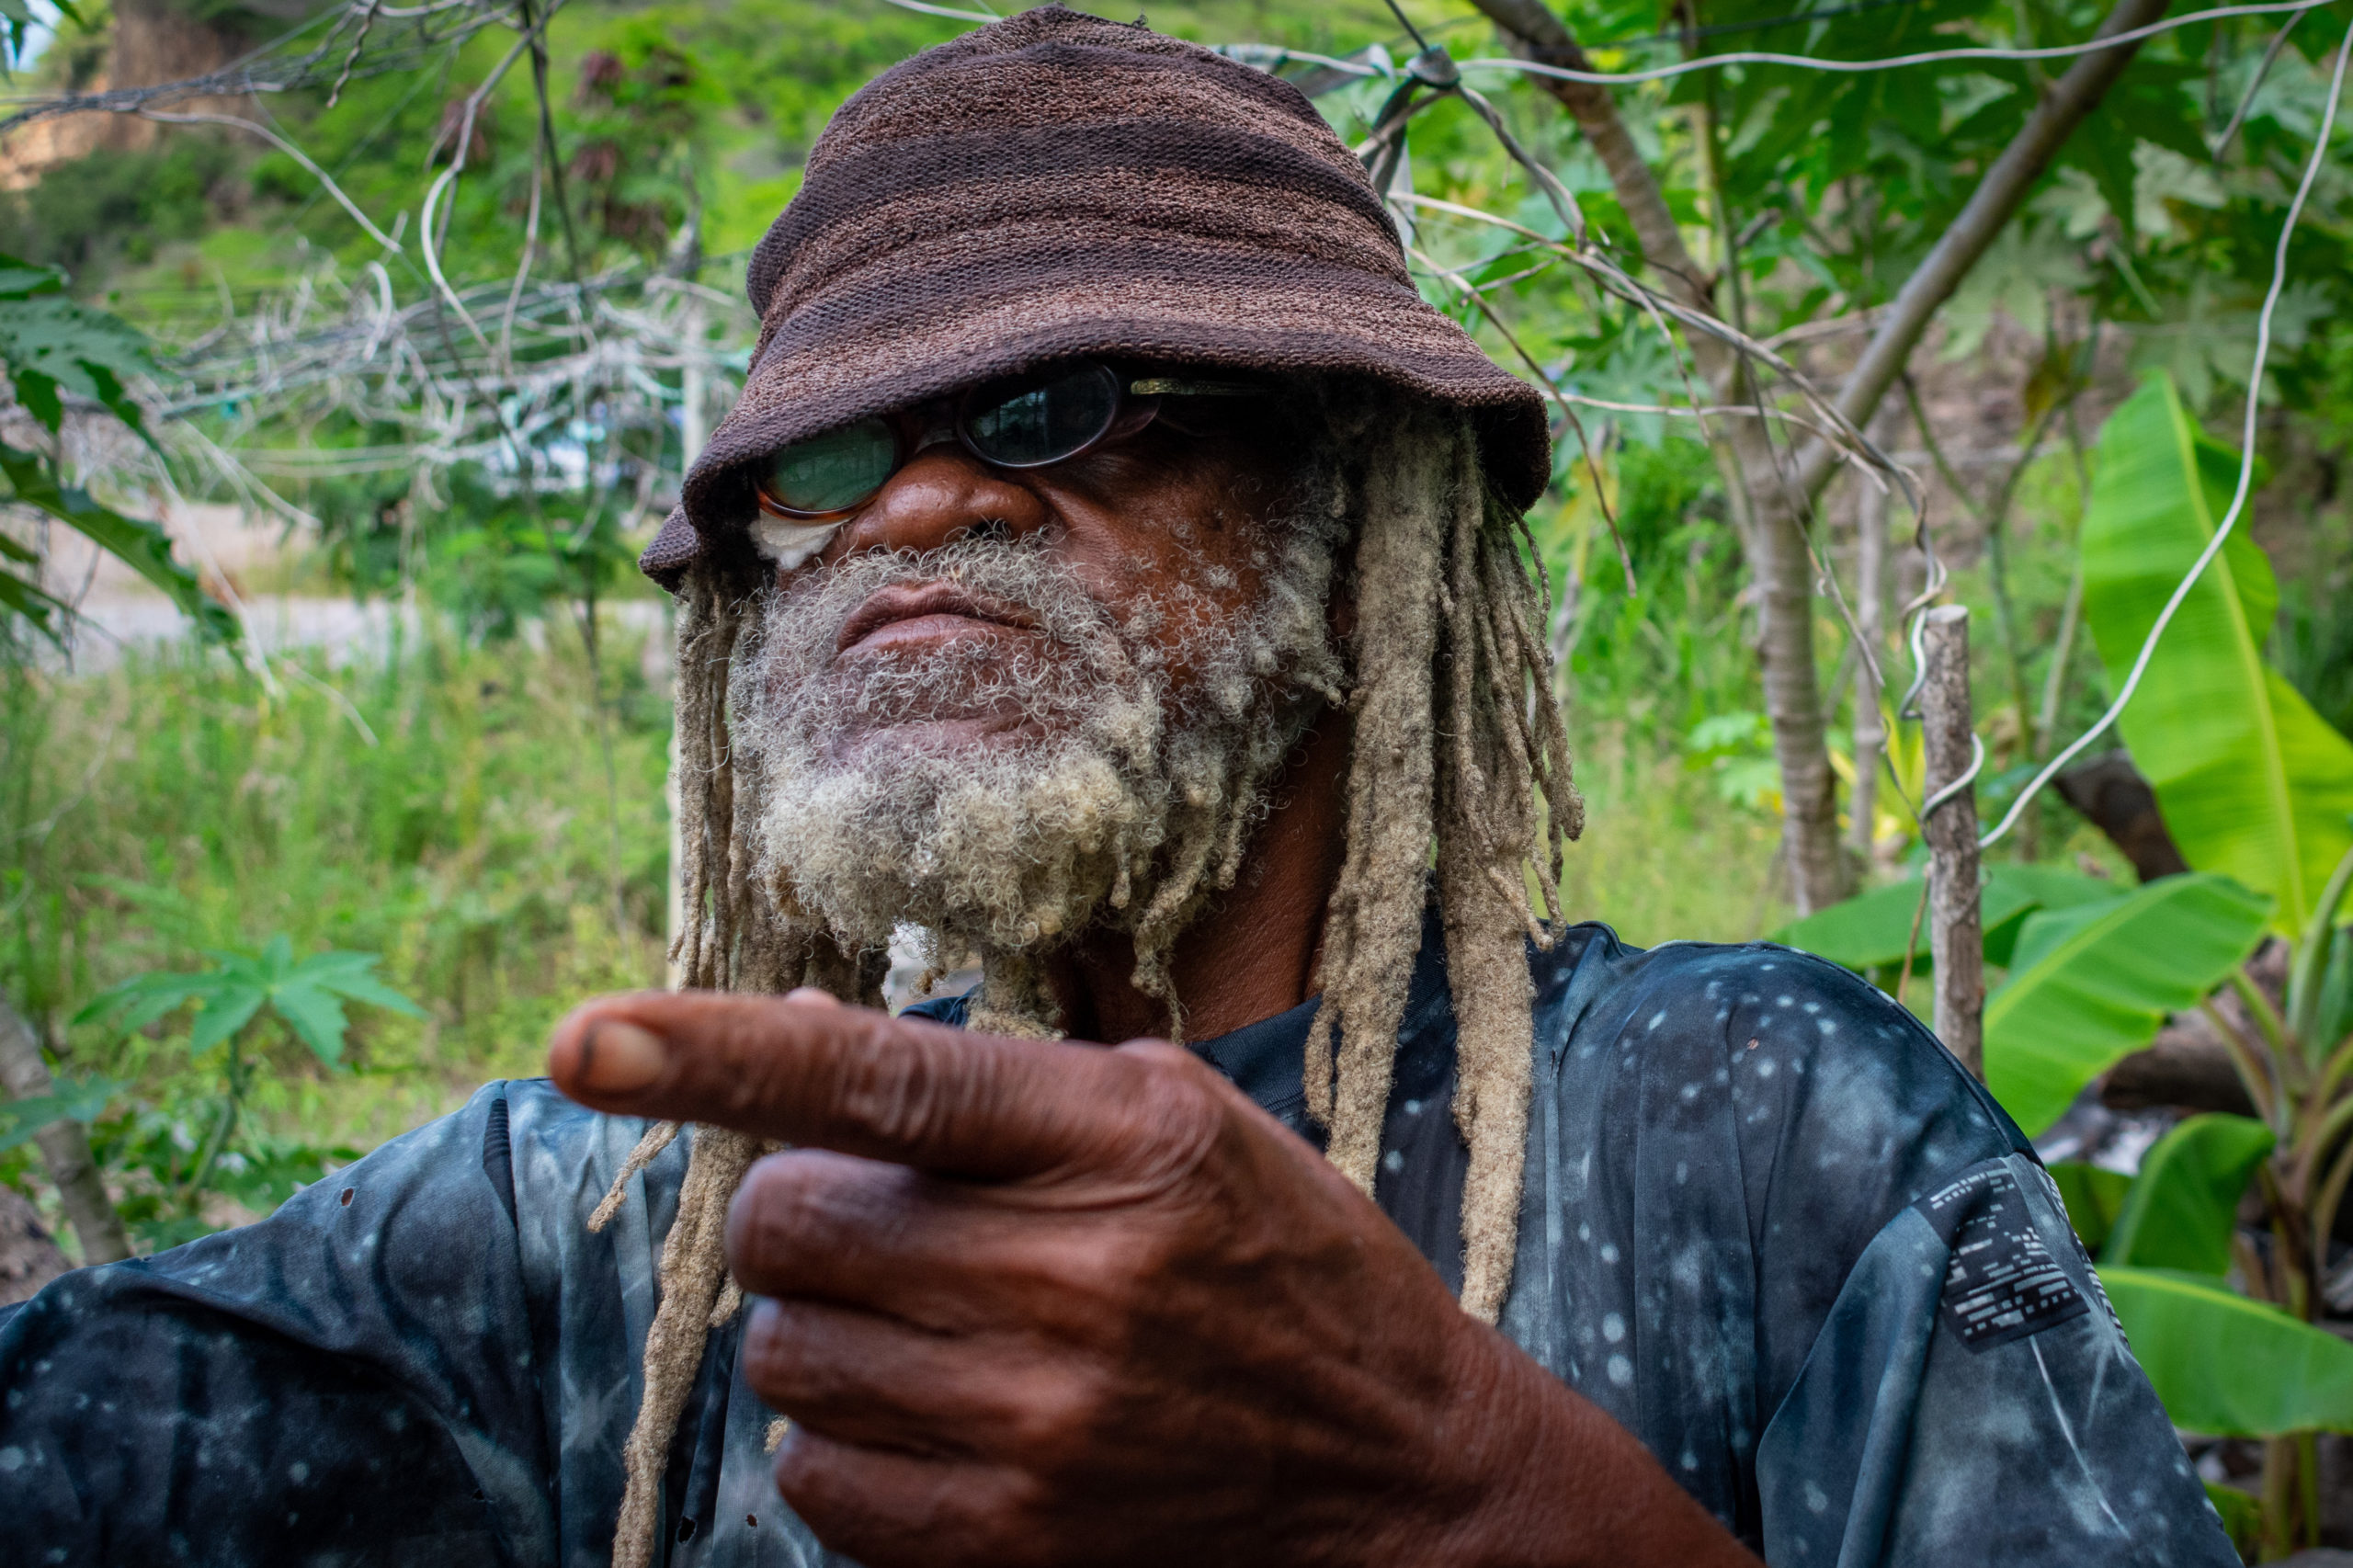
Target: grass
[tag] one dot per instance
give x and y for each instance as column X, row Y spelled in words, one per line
column 174, row 805
column 1663, row 857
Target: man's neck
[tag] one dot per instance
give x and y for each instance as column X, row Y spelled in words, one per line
column 1253, row 953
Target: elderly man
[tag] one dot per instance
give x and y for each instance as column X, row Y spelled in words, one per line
column 1111, row 569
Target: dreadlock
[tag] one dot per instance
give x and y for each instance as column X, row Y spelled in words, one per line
column 1458, row 748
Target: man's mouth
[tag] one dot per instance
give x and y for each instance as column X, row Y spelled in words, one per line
column 906, row 613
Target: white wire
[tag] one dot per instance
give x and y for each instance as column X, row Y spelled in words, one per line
column 1926, row 57
column 2247, row 467
column 929, row 10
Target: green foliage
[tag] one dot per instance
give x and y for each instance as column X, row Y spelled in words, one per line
column 49, row 345
column 307, row 997
column 2253, row 783
column 2183, row 1206
column 2241, row 1515
column 2094, row 1196
column 1873, row 930
column 82, row 1099
column 2091, row 983
column 113, row 209
column 469, row 845
column 2227, row 1366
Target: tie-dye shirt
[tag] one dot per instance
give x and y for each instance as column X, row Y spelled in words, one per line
column 1769, row 1225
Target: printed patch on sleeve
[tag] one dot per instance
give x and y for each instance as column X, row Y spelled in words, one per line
column 2002, row 1283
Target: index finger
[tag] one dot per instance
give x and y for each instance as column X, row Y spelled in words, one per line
column 806, row 1070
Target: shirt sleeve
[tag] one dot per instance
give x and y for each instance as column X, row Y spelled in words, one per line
column 348, row 1381
column 1971, row 1398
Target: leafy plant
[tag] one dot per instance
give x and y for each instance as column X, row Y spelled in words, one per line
column 2092, row 984
column 2253, row 783
column 49, row 346
column 80, row 1099
column 2257, row 791
column 1872, row 931
column 306, row 997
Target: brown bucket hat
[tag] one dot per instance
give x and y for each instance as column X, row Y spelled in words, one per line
column 1056, row 185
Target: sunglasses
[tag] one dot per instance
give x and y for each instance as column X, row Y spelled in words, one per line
column 1017, row 422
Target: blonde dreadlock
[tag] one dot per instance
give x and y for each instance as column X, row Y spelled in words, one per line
column 1476, row 764
column 1440, row 587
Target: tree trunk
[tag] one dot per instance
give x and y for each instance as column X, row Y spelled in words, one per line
column 28, row 1258
column 64, row 1148
column 1781, row 487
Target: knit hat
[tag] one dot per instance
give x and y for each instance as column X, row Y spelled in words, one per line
column 1055, row 186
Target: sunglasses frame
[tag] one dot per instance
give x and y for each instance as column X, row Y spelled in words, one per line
column 1136, row 402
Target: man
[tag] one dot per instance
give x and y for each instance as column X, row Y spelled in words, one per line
column 1110, row 568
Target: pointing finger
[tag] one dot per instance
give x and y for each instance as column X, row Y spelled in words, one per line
column 809, row 1071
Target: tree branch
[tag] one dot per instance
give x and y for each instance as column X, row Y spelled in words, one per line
column 2064, row 105
column 64, row 1147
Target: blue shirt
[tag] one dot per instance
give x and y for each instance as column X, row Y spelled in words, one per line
column 1769, row 1225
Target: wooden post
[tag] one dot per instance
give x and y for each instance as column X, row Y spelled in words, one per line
column 1956, row 928
column 1871, row 729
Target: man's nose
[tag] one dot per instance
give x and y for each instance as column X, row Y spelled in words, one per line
column 944, row 495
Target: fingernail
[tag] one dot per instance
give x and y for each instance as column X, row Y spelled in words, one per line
column 616, row 1057
column 811, row 993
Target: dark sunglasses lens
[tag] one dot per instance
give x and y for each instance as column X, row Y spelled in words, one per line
column 832, row 471
column 1026, row 423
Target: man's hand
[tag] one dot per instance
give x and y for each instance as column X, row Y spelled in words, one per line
column 1047, row 1303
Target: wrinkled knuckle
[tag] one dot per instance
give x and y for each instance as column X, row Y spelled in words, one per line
column 1060, row 1423
column 807, row 1472
column 1175, row 1117
column 894, row 1099
column 785, row 1199
column 774, row 1361
column 1015, row 1525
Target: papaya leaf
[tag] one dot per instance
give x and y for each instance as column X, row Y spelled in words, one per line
column 315, row 1017
column 142, row 546
column 2094, row 1196
column 2227, row 1366
column 2253, row 782
column 21, row 279
column 2092, row 983
column 36, row 604
column 69, row 1099
column 306, row 997
column 2182, row 1206
column 48, row 343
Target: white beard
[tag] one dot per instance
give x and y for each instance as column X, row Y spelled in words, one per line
column 1114, row 788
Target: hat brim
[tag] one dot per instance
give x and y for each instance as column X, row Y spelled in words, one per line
column 923, row 326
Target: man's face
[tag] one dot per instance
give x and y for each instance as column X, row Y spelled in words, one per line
column 999, row 702
column 1162, row 531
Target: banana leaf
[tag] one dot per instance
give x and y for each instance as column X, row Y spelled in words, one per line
column 2181, row 1209
column 2227, row 1366
column 2253, row 783
column 2094, row 1196
column 1872, row 930
column 2092, row 983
